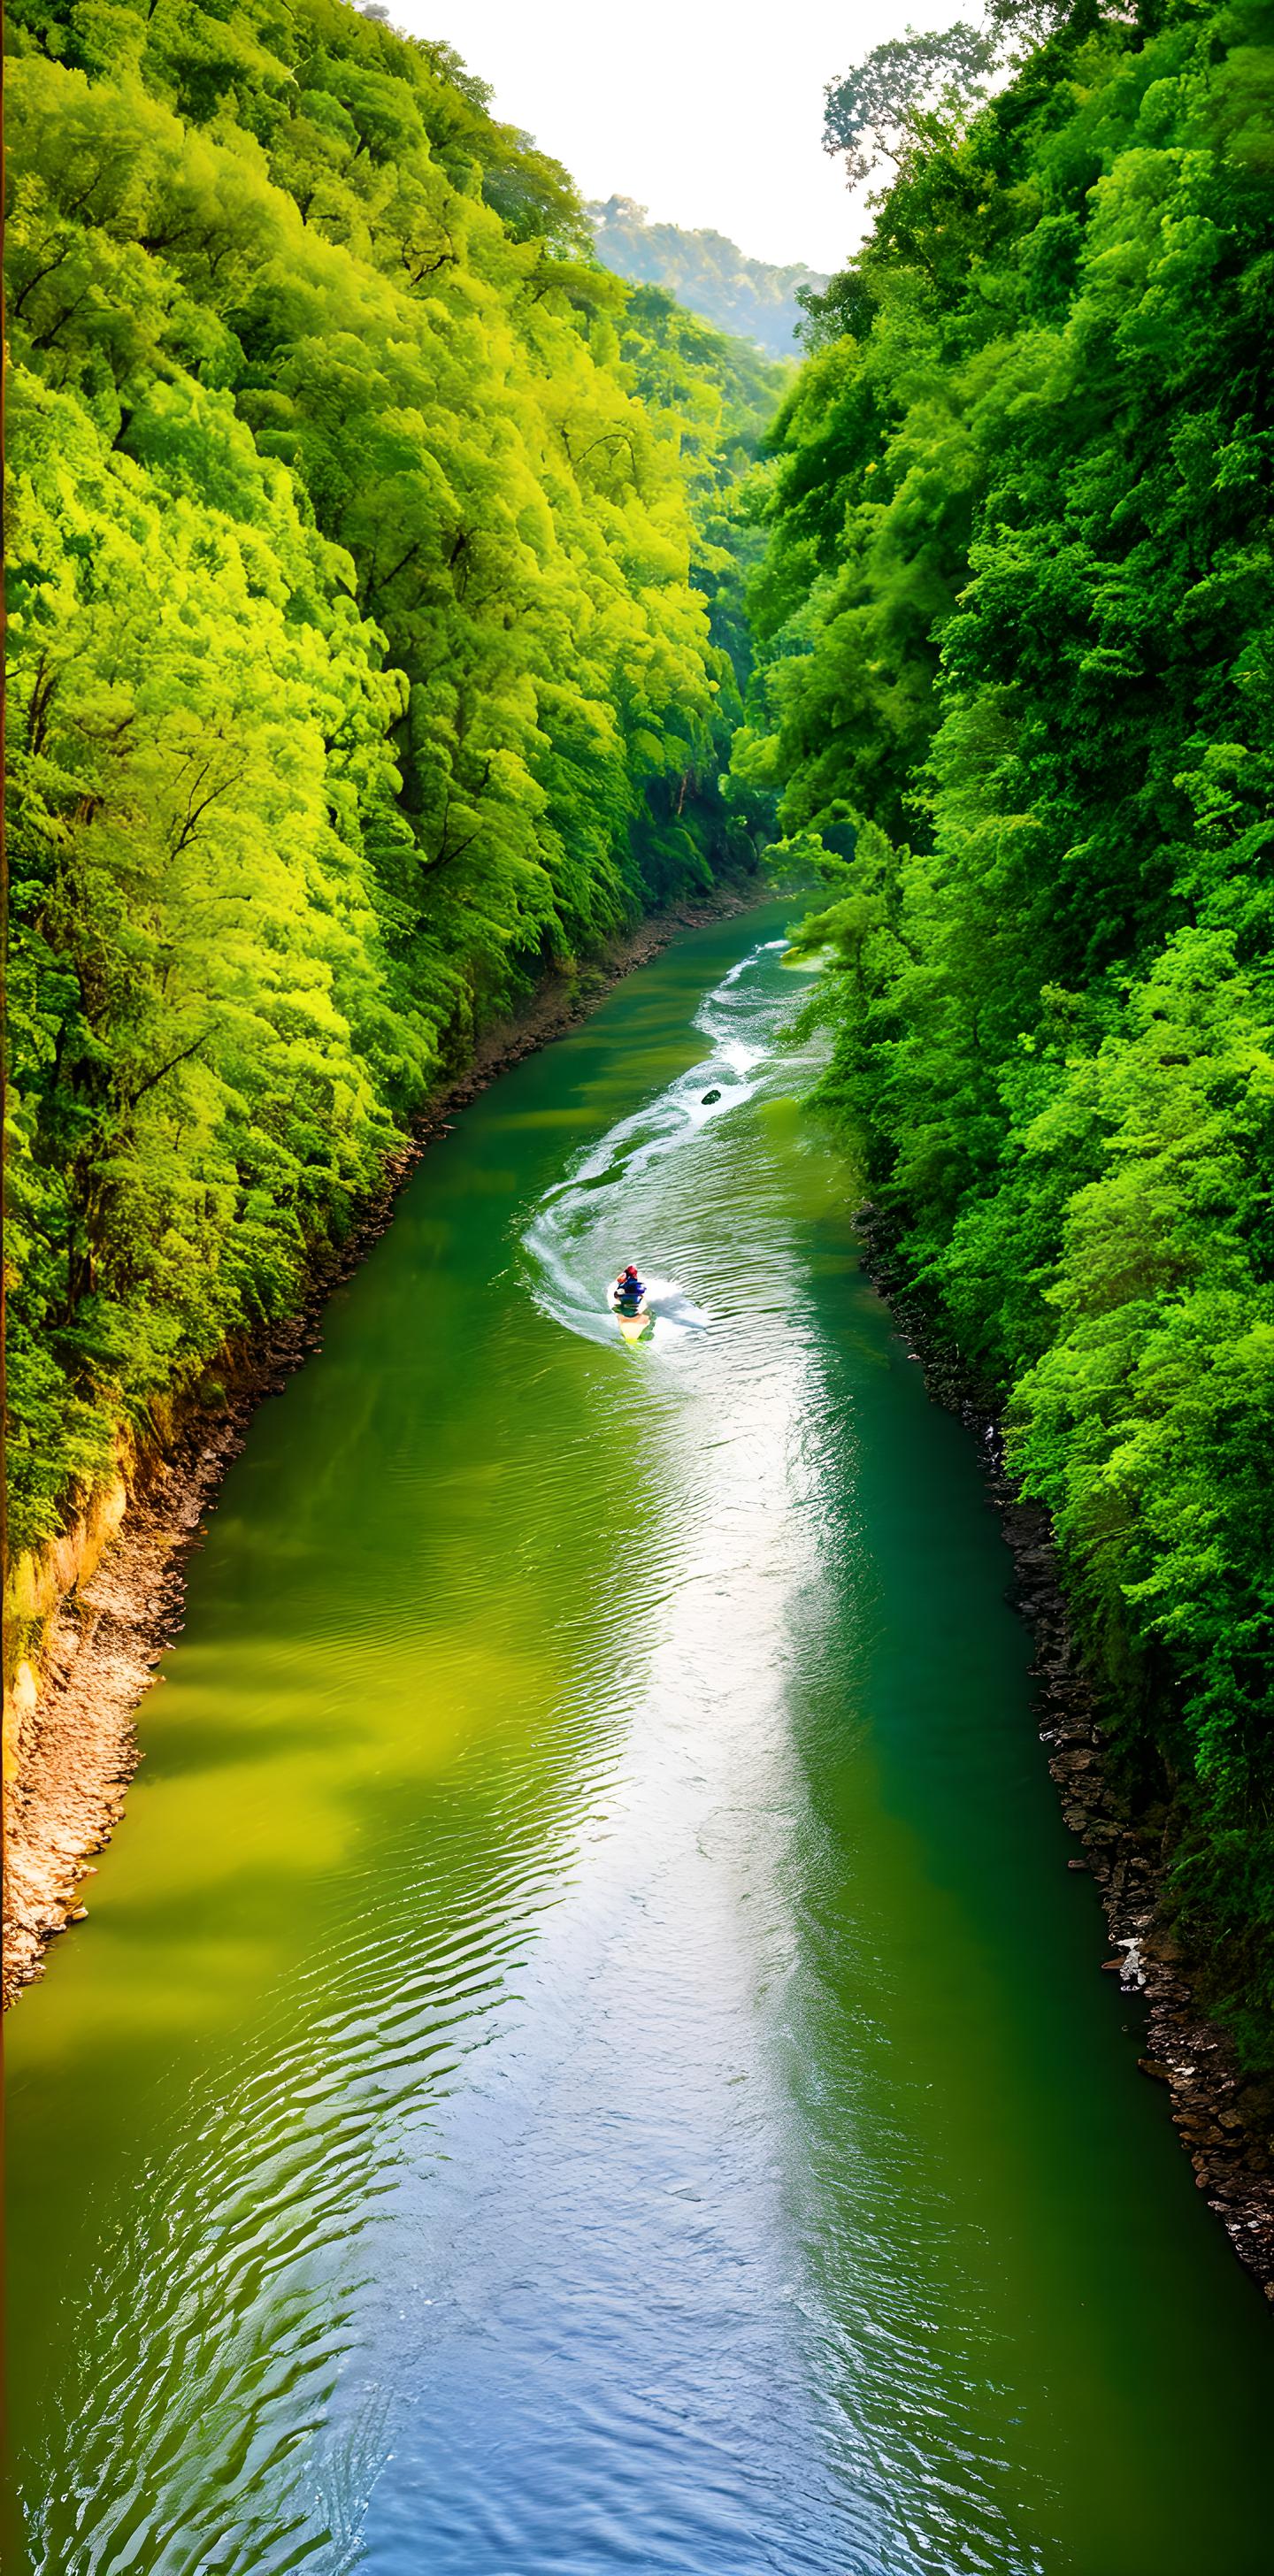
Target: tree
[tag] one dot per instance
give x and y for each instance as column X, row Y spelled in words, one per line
column 366, row 552
column 902, row 93
column 1016, row 627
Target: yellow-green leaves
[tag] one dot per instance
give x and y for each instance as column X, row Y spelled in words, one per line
column 361, row 649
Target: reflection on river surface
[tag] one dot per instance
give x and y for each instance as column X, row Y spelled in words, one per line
column 586, row 2054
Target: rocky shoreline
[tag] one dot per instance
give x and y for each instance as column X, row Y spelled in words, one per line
column 107, row 1637
column 80, row 1748
column 1222, row 2117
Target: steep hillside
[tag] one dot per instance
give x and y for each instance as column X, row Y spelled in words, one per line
column 371, row 597
column 706, row 272
column 1017, row 628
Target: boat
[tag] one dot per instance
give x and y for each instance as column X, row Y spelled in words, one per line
column 632, row 1314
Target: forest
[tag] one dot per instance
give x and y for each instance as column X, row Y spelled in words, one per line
column 400, row 603
column 707, row 273
column 376, row 636
column 1016, row 634
column 554, row 2016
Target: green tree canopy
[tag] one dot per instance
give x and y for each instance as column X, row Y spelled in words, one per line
column 374, row 591
column 1016, row 618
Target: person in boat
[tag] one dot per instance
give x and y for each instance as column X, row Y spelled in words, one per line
column 628, row 1287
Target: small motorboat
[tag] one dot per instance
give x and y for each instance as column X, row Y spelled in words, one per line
column 631, row 1312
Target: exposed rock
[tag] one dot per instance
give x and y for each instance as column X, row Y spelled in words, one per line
column 1221, row 2118
column 115, row 1587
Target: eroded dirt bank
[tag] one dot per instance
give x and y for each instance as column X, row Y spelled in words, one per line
column 76, row 1745
column 1223, row 2118
column 79, row 1745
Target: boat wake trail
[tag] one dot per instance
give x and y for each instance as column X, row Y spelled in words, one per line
column 618, row 1202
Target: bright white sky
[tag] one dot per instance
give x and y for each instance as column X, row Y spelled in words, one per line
column 708, row 112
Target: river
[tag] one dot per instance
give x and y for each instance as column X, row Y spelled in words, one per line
column 586, row 2053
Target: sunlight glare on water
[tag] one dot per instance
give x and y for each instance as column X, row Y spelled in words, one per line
column 586, row 2054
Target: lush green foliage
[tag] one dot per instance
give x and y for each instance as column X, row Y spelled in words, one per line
column 1017, row 616
column 703, row 270
column 904, row 93
column 372, row 583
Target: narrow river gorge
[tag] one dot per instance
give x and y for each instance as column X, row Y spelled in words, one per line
column 586, row 2052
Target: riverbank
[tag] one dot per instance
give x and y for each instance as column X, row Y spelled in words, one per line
column 76, row 1738
column 1222, row 2117
column 611, row 2003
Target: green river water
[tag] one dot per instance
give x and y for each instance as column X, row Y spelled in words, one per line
column 586, row 2054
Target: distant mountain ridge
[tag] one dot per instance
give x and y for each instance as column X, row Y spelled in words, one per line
column 708, row 274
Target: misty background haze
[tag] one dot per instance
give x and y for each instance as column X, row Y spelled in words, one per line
column 708, row 117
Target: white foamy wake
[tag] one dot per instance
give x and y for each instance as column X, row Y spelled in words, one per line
column 606, row 1210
